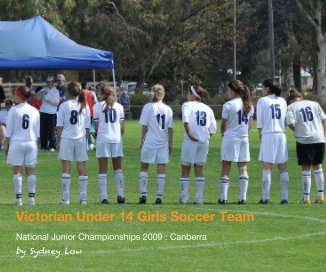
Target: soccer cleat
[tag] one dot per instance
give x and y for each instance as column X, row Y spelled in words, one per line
column 182, row 201
column 105, row 201
column 319, row 199
column 120, row 200
column 284, row 201
column 19, row 201
column 222, row 201
column 305, row 202
column 63, row 202
column 83, row 202
column 142, row 200
column 264, row 201
column 197, row 201
column 52, row 149
column 31, row 200
column 158, row 201
column 242, row 202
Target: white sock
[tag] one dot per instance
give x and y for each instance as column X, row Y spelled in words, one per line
column 102, row 183
column 200, row 184
column 306, row 184
column 243, row 180
column 285, row 184
column 83, row 183
column 65, row 186
column 142, row 179
column 160, row 185
column 31, row 180
column 120, row 182
column 224, row 186
column 267, row 176
column 18, row 183
column 319, row 178
column 184, row 182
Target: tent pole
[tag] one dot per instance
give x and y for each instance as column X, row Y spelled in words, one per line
column 94, row 79
column 114, row 82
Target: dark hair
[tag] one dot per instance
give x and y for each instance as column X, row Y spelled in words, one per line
column 273, row 89
column 25, row 91
column 9, row 102
column 241, row 89
column 203, row 93
column 84, row 85
column 293, row 94
column 74, row 89
column 108, row 94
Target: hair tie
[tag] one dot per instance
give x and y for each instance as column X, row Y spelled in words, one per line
column 194, row 92
column 20, row 95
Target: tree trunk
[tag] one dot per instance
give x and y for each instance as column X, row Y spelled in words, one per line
column 321, row 84
column 140, row 79
column 297, row 72
column 174, row 89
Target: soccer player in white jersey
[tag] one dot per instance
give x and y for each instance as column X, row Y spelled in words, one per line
column 237, row 117
column 109, row 125
column 271, row 124
column 308, row 121
column 156, row 142
column 73, row 122
column 20, row 145
column 199, row 124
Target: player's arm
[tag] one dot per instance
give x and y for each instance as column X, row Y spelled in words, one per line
column 324, row 126
column 187, row 129
column 250, row 122
column 6, row 145
column 59, row 131
column 290, row 118
column 144, row 130
column 223, row 126
column 259, row 133
column 122, row 127
column 170, row 133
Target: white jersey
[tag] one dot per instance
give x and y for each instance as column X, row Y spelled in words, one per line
column 158, row 118
column 109, row 129
column 74, row 124
column 271, row 114
column 51, row 100
column 307, row 116
column 23, row 123
column 201, row 120
column 237, row 122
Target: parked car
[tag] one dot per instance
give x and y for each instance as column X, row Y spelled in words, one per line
column 130, row 88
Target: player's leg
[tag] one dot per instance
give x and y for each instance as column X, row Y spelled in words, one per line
column 65, row 179
column 31, row 181
column 185, row 181
column 102, row 179
column 142, row 180
column 224, row 181
column 161, row 179
column 306, row 183
column 18, row 183
column 119, row 179
column 319, row 178
column 243, row 180
column 83, row 181
column 2, row 135
column 266, row 182
column 200, row 183
column 284, row 177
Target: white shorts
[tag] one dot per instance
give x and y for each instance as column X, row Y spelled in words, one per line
column 109, row 150
column 151, row 155
column 73, row 150
column 194, row 152
column 273, row 148
column 235, row 149
column 22, row 153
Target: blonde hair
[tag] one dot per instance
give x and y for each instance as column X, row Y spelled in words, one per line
column 108, row 96
column 159, row 93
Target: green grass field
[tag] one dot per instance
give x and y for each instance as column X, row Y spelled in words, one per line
column 281, row 238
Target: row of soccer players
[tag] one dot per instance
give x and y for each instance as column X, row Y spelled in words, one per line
column 305, row 117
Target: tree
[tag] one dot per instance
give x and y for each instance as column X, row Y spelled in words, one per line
column 314, row 11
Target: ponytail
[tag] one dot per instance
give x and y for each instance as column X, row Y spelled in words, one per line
column 243, row 91
column 74, row 90
column 82, row 101
column 108, row 94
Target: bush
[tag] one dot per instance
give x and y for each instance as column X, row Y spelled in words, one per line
column 137, row 101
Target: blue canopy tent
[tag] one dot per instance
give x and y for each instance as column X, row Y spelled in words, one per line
column 36, row 44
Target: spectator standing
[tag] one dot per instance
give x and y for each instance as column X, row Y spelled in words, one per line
column 48, row 112
column 61, row 86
